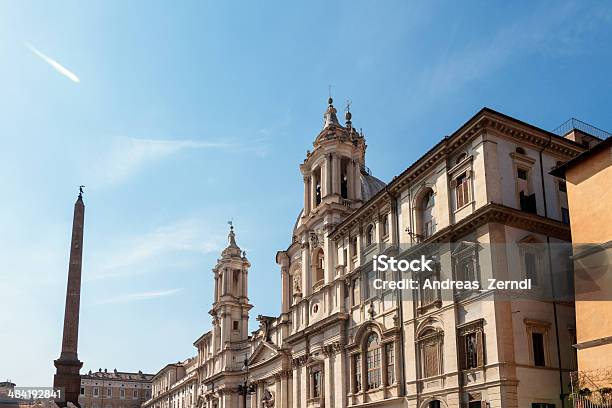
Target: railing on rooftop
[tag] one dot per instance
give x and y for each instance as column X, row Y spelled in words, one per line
column 577, row 124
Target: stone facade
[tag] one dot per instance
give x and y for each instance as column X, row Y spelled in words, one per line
column 339, row 342
column 106, row 389
column 588, row 176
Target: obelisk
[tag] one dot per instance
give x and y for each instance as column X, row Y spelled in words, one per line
column 67, row 366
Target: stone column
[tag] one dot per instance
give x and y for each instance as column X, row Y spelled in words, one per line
column 329, row 189
column 295, row 382
column 336, row 174
column 306, row 281
column 307, row 200
column 313, row 191
column 216, row 287
column 357, row 180
column 328, row 373
column 285, row 282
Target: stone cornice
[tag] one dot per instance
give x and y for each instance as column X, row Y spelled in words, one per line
column 334, row 318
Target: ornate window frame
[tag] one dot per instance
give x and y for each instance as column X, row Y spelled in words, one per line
column 476, row 329
column 542, row 327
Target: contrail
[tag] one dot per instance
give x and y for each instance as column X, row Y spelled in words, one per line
column 58, row 67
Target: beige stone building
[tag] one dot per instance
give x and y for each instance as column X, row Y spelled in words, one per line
column 588, row 178
column 114, row 389
column 482, row 203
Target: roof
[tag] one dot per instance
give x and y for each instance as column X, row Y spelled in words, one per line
column 118, row 375
column 559, row 171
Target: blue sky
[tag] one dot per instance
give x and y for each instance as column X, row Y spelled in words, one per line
column 190, row 114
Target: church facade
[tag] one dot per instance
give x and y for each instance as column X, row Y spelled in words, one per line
column 481, row 202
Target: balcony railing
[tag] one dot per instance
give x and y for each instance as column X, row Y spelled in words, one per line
column 574, row 123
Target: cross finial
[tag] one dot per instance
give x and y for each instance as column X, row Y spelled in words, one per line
column 81, row 191
column 348, row 105
column 231, row 224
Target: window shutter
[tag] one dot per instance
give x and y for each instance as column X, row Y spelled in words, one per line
column 462, row 353
column 480, row 347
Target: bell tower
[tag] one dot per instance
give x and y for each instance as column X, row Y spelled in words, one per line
column 332, row 171
column 231, row 306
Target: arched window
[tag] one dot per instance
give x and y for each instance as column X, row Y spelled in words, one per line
column 373, row 361
column 369, row 235
column 319, row 267
column 426, row 226
column 317, row 186
column 344, row 179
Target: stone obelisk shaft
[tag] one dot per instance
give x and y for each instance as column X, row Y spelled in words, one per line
column 68, row 365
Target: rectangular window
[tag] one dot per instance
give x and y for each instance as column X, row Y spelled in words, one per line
column 135, row 393
column 373, row 360
column 522, row 174
column 430, row 360
column 390, row 363
column 541, row 405
column 96, row 391
column 562, row 186
column 369, row 285
column 531, row 267
column 471, row 353
column 109, row 392
column 565, row 215
column 356, row 292
column 537, row 340
column 316, row 383
column 122, row 392
column 462, row 192
column 235, row 324
column 357, row 363
column 475, row 404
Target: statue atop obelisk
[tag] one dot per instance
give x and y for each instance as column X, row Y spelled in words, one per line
column 67, row 375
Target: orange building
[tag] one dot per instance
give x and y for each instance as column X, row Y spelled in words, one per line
column 588, row 179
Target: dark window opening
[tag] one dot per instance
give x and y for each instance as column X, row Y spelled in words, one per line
column 562, row 186
column 565, row 215
column 537, row 340
column 528, row 203
column 434, row 404
column 316, row 383
column 344, row 186
column 235, row 325
column 531, row 270
column 471, row 351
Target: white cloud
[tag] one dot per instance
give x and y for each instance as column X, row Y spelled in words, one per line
column 127, row 156
column 131, row 297
column 56, row 65
column 137, row 254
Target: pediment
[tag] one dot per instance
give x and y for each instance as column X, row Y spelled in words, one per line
column 264, row 352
